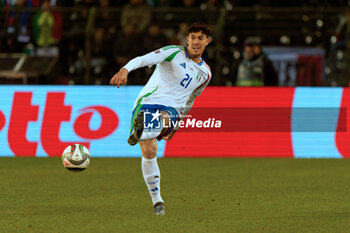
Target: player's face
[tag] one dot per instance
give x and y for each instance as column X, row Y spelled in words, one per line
column 197, row 41
column 249, row 51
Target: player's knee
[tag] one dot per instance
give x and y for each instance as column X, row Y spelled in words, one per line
column 149, row 148
column 150, row 152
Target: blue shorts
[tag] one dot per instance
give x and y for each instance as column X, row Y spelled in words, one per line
column 153, row 108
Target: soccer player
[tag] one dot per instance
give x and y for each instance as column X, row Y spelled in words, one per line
column 180, row 75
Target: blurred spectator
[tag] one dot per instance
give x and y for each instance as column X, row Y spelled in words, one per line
column 118, row 3
column 9, row 44
column 64, row 3
column 189, row 3
column 74, row 42
column 16, row 21
column 211, row 5
column 127, row 46
column 23, row 34
column 255, row 69
column 100, row 55
column 160, row 3
column 154, row 39
column 180, row 37
column 90, row 3
column 137, row 15
column 124, row 46
column 211, row 9
column 47, row 27
column 105, row 19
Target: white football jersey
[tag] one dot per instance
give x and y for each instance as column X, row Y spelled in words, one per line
column 175, row 78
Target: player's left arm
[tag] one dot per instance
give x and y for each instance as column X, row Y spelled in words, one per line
column 194, row 94
column 169, row 136
column 189, row 104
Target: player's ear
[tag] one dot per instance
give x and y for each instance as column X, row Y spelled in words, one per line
column 187, row 38
column 208, row 40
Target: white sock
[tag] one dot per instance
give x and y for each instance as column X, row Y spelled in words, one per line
column 151, row 175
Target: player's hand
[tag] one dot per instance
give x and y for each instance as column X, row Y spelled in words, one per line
column 169, row 136
column 120, row 78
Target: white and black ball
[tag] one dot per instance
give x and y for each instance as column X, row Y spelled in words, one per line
column 76, row 157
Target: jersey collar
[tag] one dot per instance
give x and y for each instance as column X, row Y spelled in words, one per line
column 186, row 53
column 201, row 63
column 188, row 56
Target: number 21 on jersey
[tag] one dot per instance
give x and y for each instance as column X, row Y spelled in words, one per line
column 186, row 81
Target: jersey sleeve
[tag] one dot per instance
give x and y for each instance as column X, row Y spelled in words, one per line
column 153, row 58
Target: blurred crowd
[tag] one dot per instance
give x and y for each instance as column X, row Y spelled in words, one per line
column 98, row 37
column 180, row 3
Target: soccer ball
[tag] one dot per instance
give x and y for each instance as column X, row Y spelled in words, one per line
column 76, row 157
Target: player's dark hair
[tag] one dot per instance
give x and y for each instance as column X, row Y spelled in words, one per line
column 199, row 27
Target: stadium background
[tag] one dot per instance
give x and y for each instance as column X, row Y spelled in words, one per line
column 56, row 58
column 88, row 41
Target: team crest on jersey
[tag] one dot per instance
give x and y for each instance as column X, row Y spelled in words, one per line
column 183, row 65
column 200, row 76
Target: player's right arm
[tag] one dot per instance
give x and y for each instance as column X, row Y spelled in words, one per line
column 150, row 59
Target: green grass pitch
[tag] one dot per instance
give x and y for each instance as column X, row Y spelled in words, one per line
column 202, row 195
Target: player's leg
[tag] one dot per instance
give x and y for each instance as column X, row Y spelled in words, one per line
column 151, row 173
